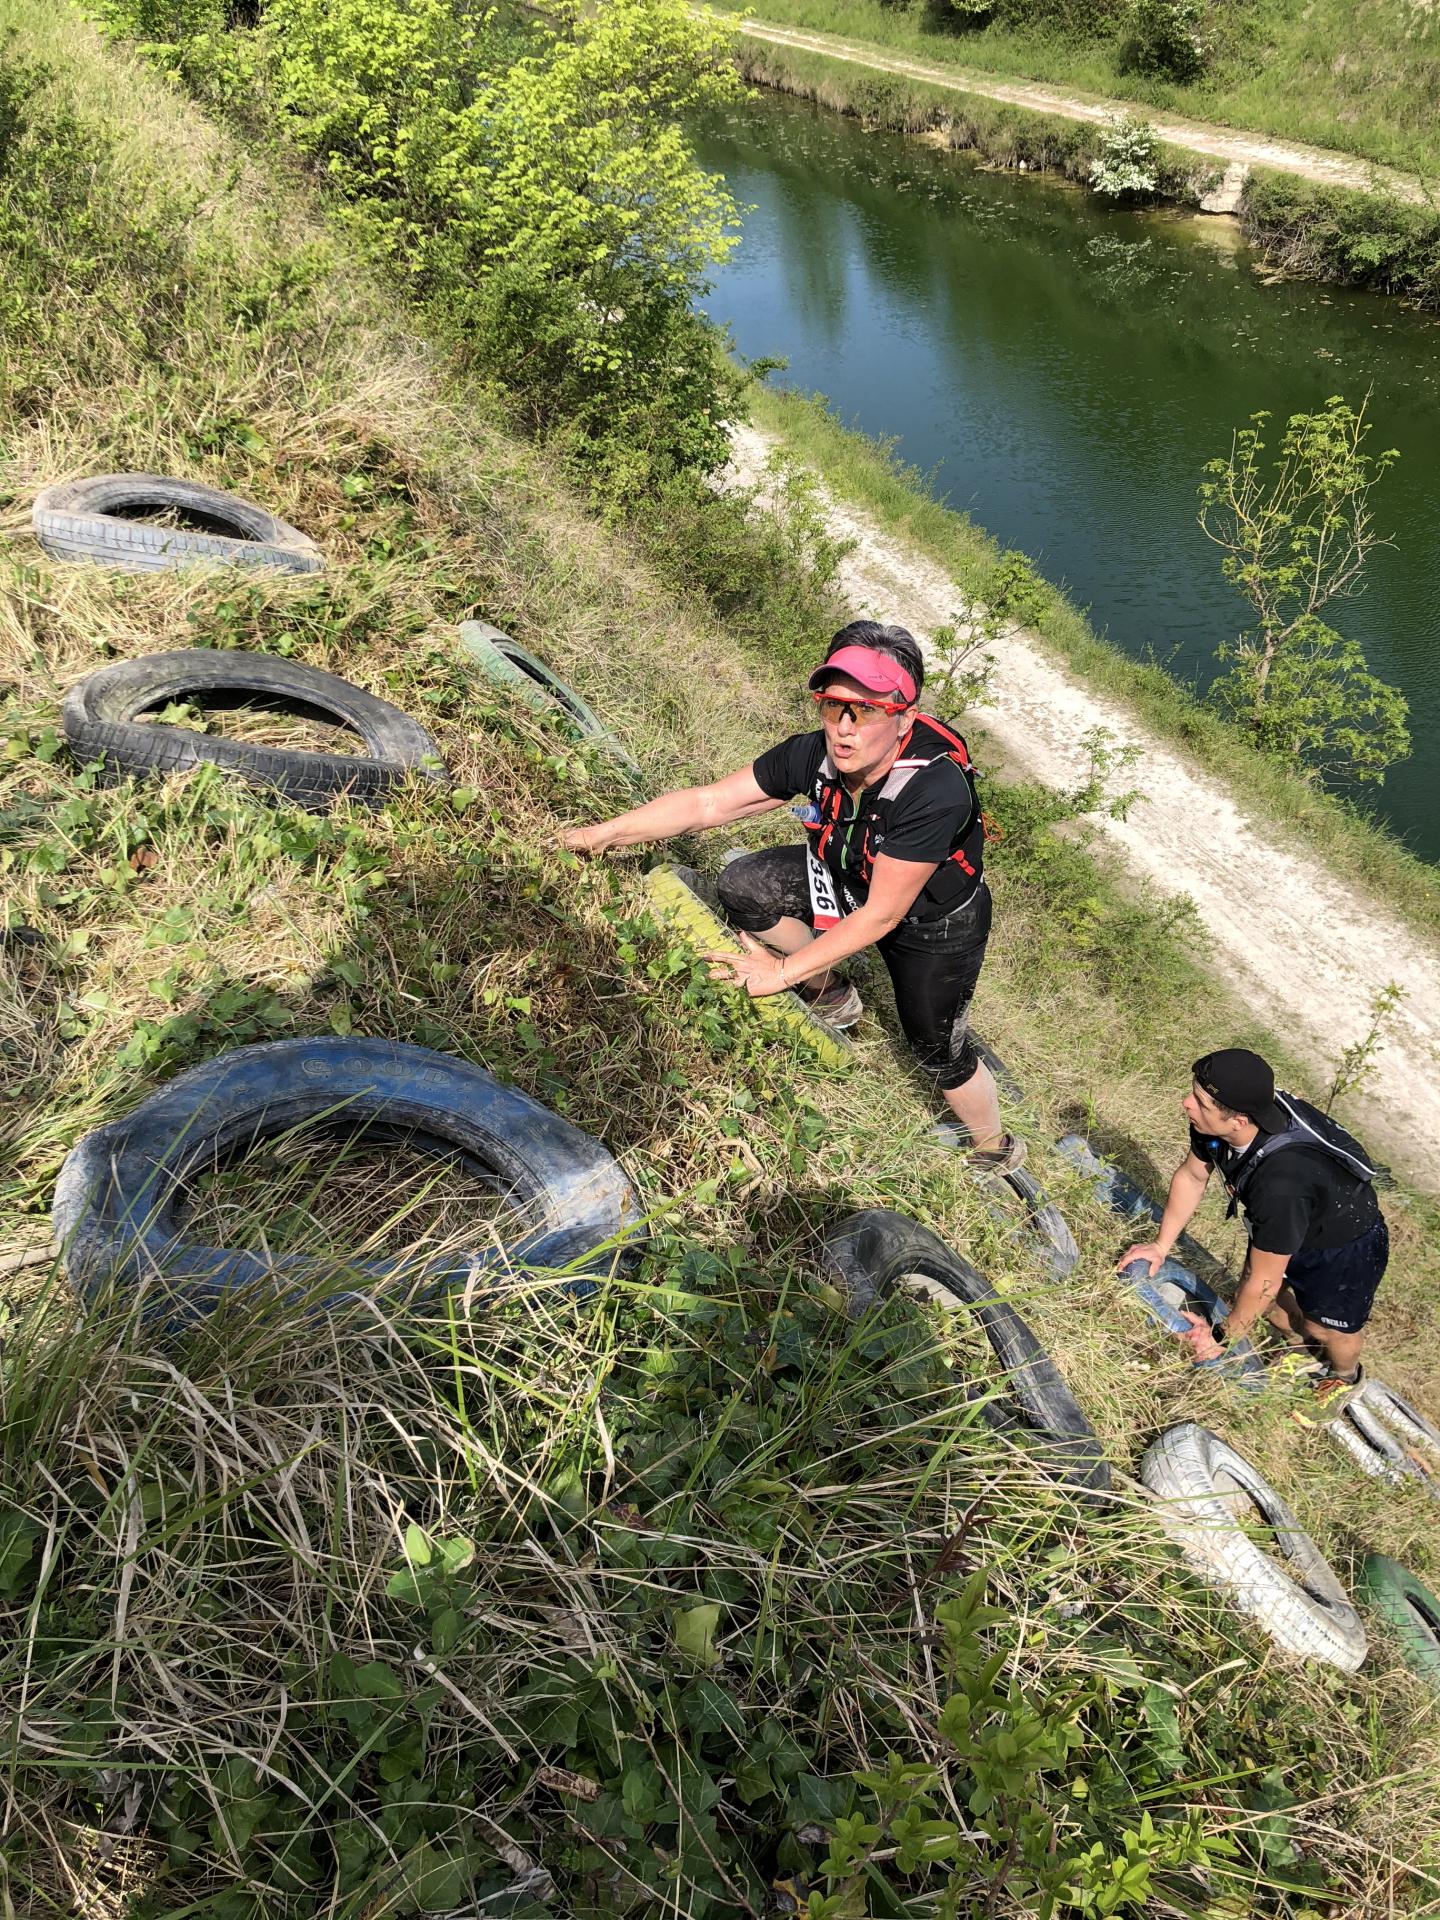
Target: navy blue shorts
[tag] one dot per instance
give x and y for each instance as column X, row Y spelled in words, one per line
column 1335, row 1286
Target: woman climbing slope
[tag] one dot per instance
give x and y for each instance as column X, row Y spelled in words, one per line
column 893, row 859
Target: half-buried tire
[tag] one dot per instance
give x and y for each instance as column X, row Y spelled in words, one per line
column 1045, row 1223
column 122, row 1190
column 101, row 716
column 510, row 665
column 873, row 1254
column 1408, row 1608
column 1173, row 1290
column 1389, row 1439
column 1296, row 1597
column 89, row 520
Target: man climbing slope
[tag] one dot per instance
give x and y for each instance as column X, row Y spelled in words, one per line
column 1318, row 1241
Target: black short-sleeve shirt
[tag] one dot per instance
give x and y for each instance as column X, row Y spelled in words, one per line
column 924, row 821
column 1299, row 1200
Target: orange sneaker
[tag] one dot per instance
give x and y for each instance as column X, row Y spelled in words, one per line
column 1328, row 1398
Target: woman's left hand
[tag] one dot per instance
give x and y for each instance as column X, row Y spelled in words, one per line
column 758, row 970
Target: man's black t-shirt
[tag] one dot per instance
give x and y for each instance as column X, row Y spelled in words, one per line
column 1298, row 1200
column 923, row 822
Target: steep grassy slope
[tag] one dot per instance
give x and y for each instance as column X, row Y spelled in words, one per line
column 561, row 1610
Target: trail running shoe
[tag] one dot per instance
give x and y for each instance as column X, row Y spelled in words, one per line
column 1005, row 1158
column 1328, row 1398
column 838, row 1005
column 1002, row 1159
column 1295, row 1369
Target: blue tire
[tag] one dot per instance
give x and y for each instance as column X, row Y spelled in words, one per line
column 1240, row 1363
column 121, row 1190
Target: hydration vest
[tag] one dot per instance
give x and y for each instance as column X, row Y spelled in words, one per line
column 1308, row 1127
column 927, row 741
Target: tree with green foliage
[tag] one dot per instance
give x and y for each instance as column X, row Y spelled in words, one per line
column 1296, row 534
column 530, row 180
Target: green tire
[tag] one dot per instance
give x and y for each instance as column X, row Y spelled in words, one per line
column 523, row 673
column 1409, row 1609
column 672, row 889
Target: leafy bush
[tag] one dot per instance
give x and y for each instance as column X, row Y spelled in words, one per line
column 1162, row 37
column 1363, row 239
column 962, row 13
column 1323, row 706
column 1128, row 162
column 533, row 186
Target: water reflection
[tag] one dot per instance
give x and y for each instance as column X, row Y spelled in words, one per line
column 1066, row 369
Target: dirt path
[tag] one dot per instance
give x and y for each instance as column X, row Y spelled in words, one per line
column 1290, row 936
column 1220, row 143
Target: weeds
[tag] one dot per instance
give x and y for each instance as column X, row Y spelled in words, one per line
column 1357, row 1061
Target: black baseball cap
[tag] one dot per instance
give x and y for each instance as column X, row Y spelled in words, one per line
column 1242, row 1081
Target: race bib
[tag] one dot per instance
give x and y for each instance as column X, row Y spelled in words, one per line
column 825, row 909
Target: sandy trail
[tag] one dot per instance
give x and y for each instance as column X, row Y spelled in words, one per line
column 1303, row 949
column 1219, row 143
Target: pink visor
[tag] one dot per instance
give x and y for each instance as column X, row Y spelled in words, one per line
column 876, row 672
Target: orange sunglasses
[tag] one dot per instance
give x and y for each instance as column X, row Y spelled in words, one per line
column 832, row 707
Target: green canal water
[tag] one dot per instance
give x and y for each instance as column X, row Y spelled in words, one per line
column 1064, row 370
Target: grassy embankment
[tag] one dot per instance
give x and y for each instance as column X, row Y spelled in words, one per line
column 1329, row 233
column 682, row 1546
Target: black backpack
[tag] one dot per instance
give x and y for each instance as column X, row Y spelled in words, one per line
column 1308, row 1127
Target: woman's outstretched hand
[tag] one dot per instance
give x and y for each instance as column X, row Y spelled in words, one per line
column 594, row 839
column 758, row 970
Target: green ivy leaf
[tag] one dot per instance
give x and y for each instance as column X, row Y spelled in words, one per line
column 693, row 1632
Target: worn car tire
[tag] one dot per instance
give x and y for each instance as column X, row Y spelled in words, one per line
column 1305, row 1610
column 510, row 665
column 1389, row 1439
column 100, row 720
column 1408, row 1608
column 1172, row 1291
column 1240, row 1363
column 678, row 893
column 121, row 1190
column 869, row 1254
column 1118, row 1190
column 1045, row 1223
column 86, row 520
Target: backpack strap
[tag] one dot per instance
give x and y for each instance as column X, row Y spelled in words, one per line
column 1328, row 1138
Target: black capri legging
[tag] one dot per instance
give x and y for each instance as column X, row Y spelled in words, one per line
column 933, row 964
